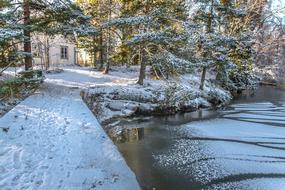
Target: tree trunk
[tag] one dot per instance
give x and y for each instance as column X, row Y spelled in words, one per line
column 47, row 63
column 125, row 55
column 101, row 52
column 126, row 52
column 107, row 67
column 106, row 71
column 203, row 78
column 94, row 52
column 27, row 35
column 142, row 67
column 209, row 30
column 143, row 52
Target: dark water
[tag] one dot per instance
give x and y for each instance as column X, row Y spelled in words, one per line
column 240, row 147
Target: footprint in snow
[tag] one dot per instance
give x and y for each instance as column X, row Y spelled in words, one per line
column 5, row 129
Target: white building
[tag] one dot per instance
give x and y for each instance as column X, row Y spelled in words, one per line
column 56, row 51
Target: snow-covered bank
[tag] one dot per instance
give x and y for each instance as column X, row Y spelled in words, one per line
column 271, row 74
column 52, row 141
column 156, row 97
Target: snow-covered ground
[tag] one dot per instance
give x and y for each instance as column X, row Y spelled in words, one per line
column 156, row 97
column 52, row 140
column 80, row 77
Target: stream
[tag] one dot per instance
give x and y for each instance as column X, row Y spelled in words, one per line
column 238, row 147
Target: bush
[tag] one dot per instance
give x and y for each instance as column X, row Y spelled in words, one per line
column 23, row 84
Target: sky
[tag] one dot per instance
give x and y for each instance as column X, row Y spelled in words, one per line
column 279, row 5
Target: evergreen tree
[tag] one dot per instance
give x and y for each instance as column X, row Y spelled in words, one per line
column 154, row 25
column 219, row 44
column 10, row 36
column 100, row 45
column 30, row 17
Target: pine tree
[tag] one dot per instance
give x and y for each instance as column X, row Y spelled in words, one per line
column 154, row 26
column 27, row 34
column 10, row 36
column 218, row 44
column 98, row 44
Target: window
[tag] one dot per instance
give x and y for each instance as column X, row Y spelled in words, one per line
column 64, row 52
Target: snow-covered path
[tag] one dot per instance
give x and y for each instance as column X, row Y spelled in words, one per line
column 52, row 141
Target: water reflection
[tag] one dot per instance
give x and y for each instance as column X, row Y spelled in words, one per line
column 264, row 93
column 135, row 129
column 128, row 135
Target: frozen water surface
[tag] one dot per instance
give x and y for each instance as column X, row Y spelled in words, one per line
column 242, row 147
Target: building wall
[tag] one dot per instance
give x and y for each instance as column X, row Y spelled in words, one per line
column 55, row 51
column 54, row 44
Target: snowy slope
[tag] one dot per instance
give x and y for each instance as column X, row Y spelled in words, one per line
column 52, row 141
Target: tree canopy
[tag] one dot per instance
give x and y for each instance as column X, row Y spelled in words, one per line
column 170, row 36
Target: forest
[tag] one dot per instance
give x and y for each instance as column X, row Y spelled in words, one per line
column 172, row 37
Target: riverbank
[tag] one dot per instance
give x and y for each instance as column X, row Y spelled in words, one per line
column 272, row 75
column 125, row 98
